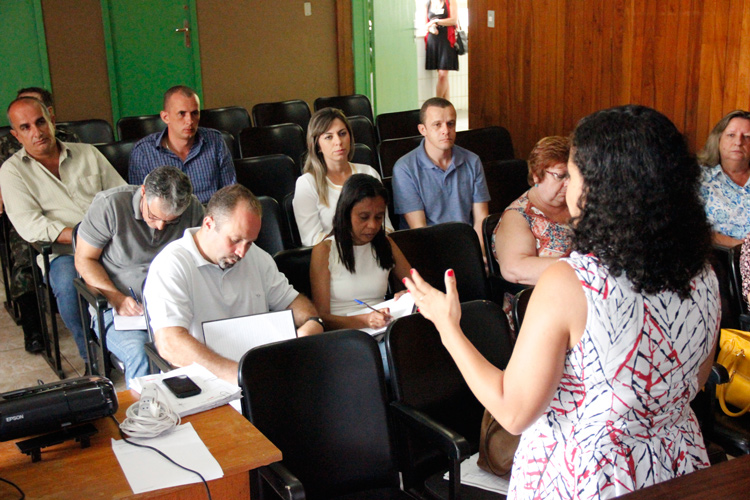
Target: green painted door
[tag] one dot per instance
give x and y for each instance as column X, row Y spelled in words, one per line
column 149, row 51
column 23, row 52
column 394, row 56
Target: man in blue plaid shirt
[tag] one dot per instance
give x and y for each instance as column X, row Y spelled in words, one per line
column 199, row 152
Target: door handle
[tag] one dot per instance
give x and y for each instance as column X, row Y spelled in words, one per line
column 186, row 30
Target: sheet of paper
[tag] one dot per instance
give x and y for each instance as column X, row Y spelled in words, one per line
column 214, row 391
column 472, row 475
column 146, row 470
column 403, row 306
column 125, row 323
column 233, row 337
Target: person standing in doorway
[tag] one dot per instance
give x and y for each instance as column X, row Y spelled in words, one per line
column 442, row 17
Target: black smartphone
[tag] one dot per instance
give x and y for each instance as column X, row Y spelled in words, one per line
column 181, row 386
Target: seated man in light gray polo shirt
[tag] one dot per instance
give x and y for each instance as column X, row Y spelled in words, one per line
column 122, row 232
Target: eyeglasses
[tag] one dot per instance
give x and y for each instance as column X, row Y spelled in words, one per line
column 154, row 218
column 558, row 177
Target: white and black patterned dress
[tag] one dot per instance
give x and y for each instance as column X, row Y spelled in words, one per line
column 621, row 418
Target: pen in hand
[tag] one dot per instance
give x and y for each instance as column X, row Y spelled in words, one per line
column 385, row 316
column 132, row 294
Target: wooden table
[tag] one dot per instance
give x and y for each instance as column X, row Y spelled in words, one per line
column 67, row 471
column 725, row 480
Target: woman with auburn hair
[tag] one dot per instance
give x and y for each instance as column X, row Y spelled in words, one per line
column 330, row 148
column 617, row 338
column 725, row 189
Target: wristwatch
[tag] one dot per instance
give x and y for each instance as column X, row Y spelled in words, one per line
column 317, row 320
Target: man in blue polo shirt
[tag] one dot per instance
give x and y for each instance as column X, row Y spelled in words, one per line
column 199, row 152
column 438, row 181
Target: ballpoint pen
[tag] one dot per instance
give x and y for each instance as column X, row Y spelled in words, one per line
column 370, row 307
column 132, row 294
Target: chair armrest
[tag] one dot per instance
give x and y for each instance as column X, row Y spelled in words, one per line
column 153, row 354
column 452, row 444
column 719, row 375
column 283, row 482
column 94, row 297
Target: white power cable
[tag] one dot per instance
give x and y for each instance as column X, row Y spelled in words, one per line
column 150, row 416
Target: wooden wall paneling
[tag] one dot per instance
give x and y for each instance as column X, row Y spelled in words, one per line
column 743, row 63
column 692, row 72
column 344, row 47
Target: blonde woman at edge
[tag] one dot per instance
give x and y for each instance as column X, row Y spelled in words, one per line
column 330, row 147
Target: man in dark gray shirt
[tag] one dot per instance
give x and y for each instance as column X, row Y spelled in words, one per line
column 118, row 238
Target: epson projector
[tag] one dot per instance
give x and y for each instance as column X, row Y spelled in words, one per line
column 51, row 407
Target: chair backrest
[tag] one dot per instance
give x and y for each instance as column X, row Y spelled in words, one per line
column 489, row 143
column 452, row 245
column 488, row 228
column 388, row 184
column 232, row 119
column 118, row 154
column 231, row 143
column 720, row 260
column 391, row 150
column 270, row 175
column 506, row 181
column 322, row 401
column 397, row 125
column 295, row 264
column 351, row 105
column 291, row 222
column 519, row 305
column 90, row 131
column 134, row 128
column 286, row 139
column 425, row 377
column 275, row 113
column 364, row 131
column 273, row 237
column 4, row 130
column 363, row 154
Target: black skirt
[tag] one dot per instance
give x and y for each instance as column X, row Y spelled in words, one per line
column 439, row 53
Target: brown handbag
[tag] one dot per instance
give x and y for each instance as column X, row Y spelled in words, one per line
column 496, row 446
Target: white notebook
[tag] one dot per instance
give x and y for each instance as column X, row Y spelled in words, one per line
column 233, row 337
column 403, row 306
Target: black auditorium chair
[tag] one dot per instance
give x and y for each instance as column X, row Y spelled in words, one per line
column 391, row 150
column 275, row 113
column 4, row 130
column 286, row 139
column 232, row 119
column 288, row 208
column 489, row 143
column 506, row 180
column 351, row 105
column 135, row 128
column 273, row 237
column 363, row 131
column 156, row 363
column 437, row 417
column 93, row 131
column 47, row 307
column 118, row 154
column 388, row 184
column 101, row 360
column 731, row 296
column 518, row 306
column 269, row 175
column 397, row 125
column 735, row 274
column 295, row 264
column 451, row 245
column 12, row 307
column 322, row 401
column 498, row 285
column 232, row 144
column 364, row 155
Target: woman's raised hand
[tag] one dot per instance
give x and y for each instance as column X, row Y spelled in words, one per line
column 443, row 309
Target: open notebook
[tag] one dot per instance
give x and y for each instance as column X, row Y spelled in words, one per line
column 233, row 337
column 403, row 306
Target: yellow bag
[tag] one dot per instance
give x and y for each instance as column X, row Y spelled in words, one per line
column 734, row 353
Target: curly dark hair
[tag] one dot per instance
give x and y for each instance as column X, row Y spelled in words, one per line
column 357, row 188
column 641, row 210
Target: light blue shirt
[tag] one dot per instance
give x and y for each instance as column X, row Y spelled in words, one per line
column 727, row 204
column 444, row 196
column 208, row 164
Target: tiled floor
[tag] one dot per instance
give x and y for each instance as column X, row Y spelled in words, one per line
column 20, row 369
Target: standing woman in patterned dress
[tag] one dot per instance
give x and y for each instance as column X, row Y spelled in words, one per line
column 618, row 337
column 442, row 17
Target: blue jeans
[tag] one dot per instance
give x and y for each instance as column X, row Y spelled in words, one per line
column 62, row 272
column 127, row 345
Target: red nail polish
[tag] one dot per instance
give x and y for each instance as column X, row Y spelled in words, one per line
column 403, row 280
column 450, row 272
column 411, row 271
